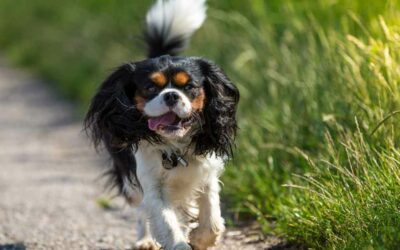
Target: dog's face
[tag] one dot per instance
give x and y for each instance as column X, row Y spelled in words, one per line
column 166, row 98
column 170, row 94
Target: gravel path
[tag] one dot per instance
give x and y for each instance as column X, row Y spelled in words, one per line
column 49, row 178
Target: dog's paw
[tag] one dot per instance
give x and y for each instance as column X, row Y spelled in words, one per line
column 201, row 238
column 182, row 246
column 146, row 244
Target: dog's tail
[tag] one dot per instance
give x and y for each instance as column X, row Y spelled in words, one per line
column 170, row 24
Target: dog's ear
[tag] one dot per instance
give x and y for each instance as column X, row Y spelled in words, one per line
column 222, row 96
column 112, row 117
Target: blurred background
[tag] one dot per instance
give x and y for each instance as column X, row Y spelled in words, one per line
column 317, row 157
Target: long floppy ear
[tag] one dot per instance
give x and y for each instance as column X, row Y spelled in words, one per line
column 112, row 116
column 222, row 96
column 112, row 119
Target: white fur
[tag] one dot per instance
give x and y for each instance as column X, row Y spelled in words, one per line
column 176, row 18
column 169, row 195
column 157, row 106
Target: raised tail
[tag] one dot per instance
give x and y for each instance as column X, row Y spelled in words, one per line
column 171, row 23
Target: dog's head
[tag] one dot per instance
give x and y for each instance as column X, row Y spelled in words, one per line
column 166, row 98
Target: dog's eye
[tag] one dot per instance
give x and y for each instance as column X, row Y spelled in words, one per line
column 188, row 86
column 151, row 89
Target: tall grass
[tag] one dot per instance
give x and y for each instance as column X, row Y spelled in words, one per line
column 319, row 96
column 318, row 155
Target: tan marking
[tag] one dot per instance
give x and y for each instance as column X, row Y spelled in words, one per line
column 159, row 79
column 181, row 78
column 198, row 102
column 139, row 102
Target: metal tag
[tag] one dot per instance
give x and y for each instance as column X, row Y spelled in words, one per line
column 172, row 161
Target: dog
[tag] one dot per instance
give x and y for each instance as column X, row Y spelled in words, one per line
column 169, row 124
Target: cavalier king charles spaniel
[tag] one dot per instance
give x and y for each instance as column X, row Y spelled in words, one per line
column 168, row 123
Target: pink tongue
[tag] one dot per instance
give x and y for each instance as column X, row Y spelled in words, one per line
column 166, row 119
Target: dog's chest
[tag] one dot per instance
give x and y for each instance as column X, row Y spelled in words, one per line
column 182, row 184
column 179, row 178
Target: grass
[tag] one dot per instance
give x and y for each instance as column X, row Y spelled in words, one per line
column 104, row 203
column 318, row 154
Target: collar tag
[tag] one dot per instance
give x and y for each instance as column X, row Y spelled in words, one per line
column 182, row 161
column 171, row 161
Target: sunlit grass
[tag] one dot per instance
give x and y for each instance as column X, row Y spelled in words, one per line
column 318, row 155
column 104, row 203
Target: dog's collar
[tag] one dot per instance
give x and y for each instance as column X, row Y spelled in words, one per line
column 173, row 160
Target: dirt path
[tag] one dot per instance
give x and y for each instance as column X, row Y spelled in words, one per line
column 49, row 178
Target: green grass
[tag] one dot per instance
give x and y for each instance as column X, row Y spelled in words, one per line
column 318, row 158
column 104, row 203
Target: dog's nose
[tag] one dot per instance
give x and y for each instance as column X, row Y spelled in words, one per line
column 171, row 98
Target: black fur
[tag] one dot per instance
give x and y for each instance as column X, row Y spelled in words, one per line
column 123, row 168
column 157, row 46
column 113, row 119
column 220, row 125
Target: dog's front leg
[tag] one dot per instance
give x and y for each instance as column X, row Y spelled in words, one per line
column 211, row 224
column 164, row 223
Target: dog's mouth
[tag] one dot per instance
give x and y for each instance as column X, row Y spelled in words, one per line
column 169, row 122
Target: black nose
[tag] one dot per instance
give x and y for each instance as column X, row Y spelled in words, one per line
column 171, row 98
